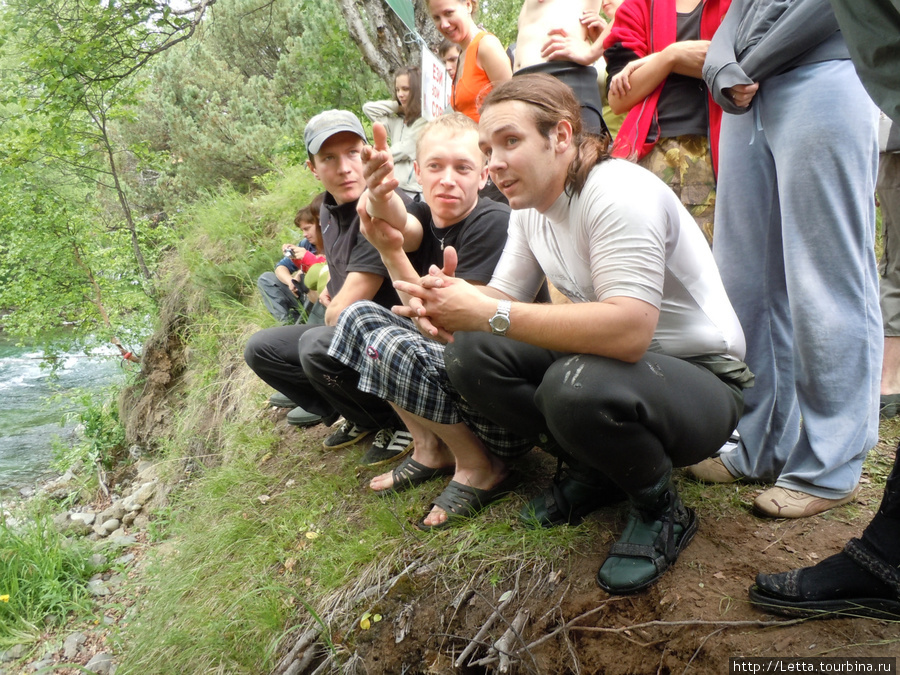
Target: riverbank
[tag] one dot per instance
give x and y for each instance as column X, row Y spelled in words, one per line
column 267, row 554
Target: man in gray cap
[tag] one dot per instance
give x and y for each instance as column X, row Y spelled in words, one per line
column 294, row 359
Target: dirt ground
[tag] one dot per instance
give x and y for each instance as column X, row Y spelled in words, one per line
column 694, row 620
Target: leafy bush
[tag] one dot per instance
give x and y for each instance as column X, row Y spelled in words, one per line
column 103, row 435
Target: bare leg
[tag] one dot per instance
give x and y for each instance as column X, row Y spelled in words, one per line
column 890, row 369
column 428, row 449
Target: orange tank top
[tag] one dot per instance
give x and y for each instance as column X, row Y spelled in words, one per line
column 473, row 84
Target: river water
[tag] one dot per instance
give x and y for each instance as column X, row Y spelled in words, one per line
column 29, row 420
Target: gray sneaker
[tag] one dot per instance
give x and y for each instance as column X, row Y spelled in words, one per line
column 389, row 444
column 299, row 417
column 346, row 434
column 279, row 400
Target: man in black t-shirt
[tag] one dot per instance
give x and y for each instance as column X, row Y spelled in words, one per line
column 455, row 229
column 291, row 359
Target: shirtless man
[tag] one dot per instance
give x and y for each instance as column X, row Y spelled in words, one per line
column 560, row 38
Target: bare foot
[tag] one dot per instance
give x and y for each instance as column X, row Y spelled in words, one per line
column 477, row 479
column 434, row 458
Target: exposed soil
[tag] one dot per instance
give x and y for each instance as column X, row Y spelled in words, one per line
column 695, row 619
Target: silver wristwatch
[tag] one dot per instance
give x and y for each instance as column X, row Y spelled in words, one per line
column 499, row 323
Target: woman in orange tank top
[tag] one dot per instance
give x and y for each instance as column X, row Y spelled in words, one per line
column 483, row 62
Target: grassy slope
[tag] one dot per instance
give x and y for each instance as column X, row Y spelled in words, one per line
column 266, row 536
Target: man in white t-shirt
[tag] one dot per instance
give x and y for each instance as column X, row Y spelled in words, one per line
column 642, row 372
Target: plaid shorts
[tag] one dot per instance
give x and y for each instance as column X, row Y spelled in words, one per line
column 397, row 363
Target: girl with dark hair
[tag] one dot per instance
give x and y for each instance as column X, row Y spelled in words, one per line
column 403, row 119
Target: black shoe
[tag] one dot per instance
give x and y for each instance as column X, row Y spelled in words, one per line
column 346, row 434
column 299, row 417
column 568, row 500
column 279, row 400
column 389, row 444
column 852, row 583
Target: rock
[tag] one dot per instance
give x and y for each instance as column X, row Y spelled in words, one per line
column 107, row 526
column 118, row 532
column 124, row 560
column 86, row 518
column 141, row 521
column 122, row 542
column 128, row 518
column 145, row 470
column 27, row 492
column 116, row 580
column 73, row 644
column 144, row 493
column 40, row 665
column 97, row 587
column 66, row 525
column 131, row 505
column 113, row 512
column 13, row 653
column 101, row 664
column 98, row 560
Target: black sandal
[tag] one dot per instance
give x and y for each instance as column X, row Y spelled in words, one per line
column 782, row 593
column 662, row 552
column 568, row 500
column 410, row 473
column 462, row 501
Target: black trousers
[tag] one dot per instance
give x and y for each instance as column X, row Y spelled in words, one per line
column 882, row 535
column 630, row 422
column 294, row 361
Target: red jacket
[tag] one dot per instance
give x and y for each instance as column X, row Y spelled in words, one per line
column 645, row 27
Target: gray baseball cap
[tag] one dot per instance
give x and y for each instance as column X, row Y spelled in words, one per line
column 326, row 124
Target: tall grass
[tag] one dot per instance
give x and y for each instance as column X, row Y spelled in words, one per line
column 42, row 573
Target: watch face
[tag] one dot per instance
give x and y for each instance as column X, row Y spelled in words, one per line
column 499, row 323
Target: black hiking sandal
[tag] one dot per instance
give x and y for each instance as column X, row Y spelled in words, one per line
column 569, row 499
column 652, row 540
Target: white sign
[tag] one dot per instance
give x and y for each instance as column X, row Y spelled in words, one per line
column 435, row 85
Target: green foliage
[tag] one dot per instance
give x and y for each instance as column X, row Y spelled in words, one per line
column 103, row 436
column 60, row 265
column 501, row 18
column 43, row 574
column 226, row 105
column 231, row 239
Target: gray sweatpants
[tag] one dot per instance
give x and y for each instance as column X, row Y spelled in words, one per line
column 795, row 228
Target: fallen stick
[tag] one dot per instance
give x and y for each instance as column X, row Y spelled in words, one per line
column 483, row 631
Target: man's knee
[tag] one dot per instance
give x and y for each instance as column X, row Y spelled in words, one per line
column 313, row 349
column 581, row 386
column 256, row 345
column 467, row 354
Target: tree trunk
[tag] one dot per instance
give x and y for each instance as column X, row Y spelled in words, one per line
column 383, row 39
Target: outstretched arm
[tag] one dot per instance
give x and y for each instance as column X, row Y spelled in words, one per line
column 380, row 199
